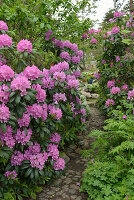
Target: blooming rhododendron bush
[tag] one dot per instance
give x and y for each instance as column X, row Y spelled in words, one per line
column 39, row 111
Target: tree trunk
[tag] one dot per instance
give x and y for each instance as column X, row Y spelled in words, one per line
column 131, row 6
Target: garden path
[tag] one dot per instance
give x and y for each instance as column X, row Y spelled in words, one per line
column 67, row 187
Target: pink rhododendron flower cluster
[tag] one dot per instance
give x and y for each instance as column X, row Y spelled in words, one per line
column 48, row 34
column 21, row 136
column 41, row 95
column 58, row 43
column 125, row 87
column 4, row 113
column 73, row 84
column 76, row 59
column 25, row 121
column 59, row 76
column 6, row 73
column 118, row 14
column 7, row 137
column 53, row 151
column 59, row 97
column 85, row 36
column 74, row 47
column 65, row 55
column 55, row 112
column 109, row 102
column 80, row 53
column 17, row 158
column 59, row 67
column 103, row 61
column 20, row 83
column 55, row 137
column 5, row 40
column 115, row 30
column 115, row 90
column 11, row 174
column 131, row 94
column 111, row 83
column 4, row 95
column 32, row 72
column 93, row 41
column 38, row 160
column 3, row 26
column 117, row 58
column 36, row 110
column 77, row 73
column 24, row 45
column 59, row 164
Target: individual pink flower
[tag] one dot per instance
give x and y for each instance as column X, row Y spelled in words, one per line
column 115, row 30
column 59, row 164
column 124, row 117
column 24, row 45
column 11, row 174
column 3, row 26
column 4, row 113
column 55, row 137
column 93, row 41
column 5, row 40
column 111, row 83
column 6, row 73
column 32, row 72
column 109, row 102
column 115, row 90
column 20, row 83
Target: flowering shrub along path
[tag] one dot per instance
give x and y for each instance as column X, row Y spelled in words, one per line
column 67, row 187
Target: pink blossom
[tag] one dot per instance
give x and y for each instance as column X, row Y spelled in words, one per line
column 59, row 164
column 59, row 76
column 48, row 34
column 124, row 87
column 124, row 117
column 77, row 73
column 11, row 174
column 53, row 151
column 38, row 160
column 41, row 95
column 58, row 43
column 20, row 83
column 109, row 102
column 117, row 58
column 55, row 113
column 59, row 97
column 115, row 90
column 74, row 47
column 25, row 121
column 21, row 136
column 76, row 59
column 17, row 158
column 115, row 30
column 93, row 41
column 111, row 83
column 44, row 114
column 55, row 137
column 6, row 73
column 5, row 40
column 84, row 35
column 4, row 113
column 73, row 84
column 67, row 44
column 2, row 60
column 131, row 94
column 103, row 61
column 24, row 45
column 4, row 95
column 80, row 53
column 35, row 110
column 3, row 26
column 65, row 55
column 83, row 111
column 7, row 137
column 32, row 73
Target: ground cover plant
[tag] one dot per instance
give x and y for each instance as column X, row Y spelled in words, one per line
column 40, row 110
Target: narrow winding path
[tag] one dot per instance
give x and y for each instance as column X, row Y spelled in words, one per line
column 67, row 187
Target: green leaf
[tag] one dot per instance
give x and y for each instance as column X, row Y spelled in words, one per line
column 36, row 174
column 13, row 118
column 42, row 25
column 3, row 127
column 17, row 99
column 12, row 94
column 28, row 172
column 19, row 197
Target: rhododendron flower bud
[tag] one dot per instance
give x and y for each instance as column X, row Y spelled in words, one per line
column 3, row 26
column 24, row 45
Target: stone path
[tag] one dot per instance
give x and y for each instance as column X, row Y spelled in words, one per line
column 67, row 187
